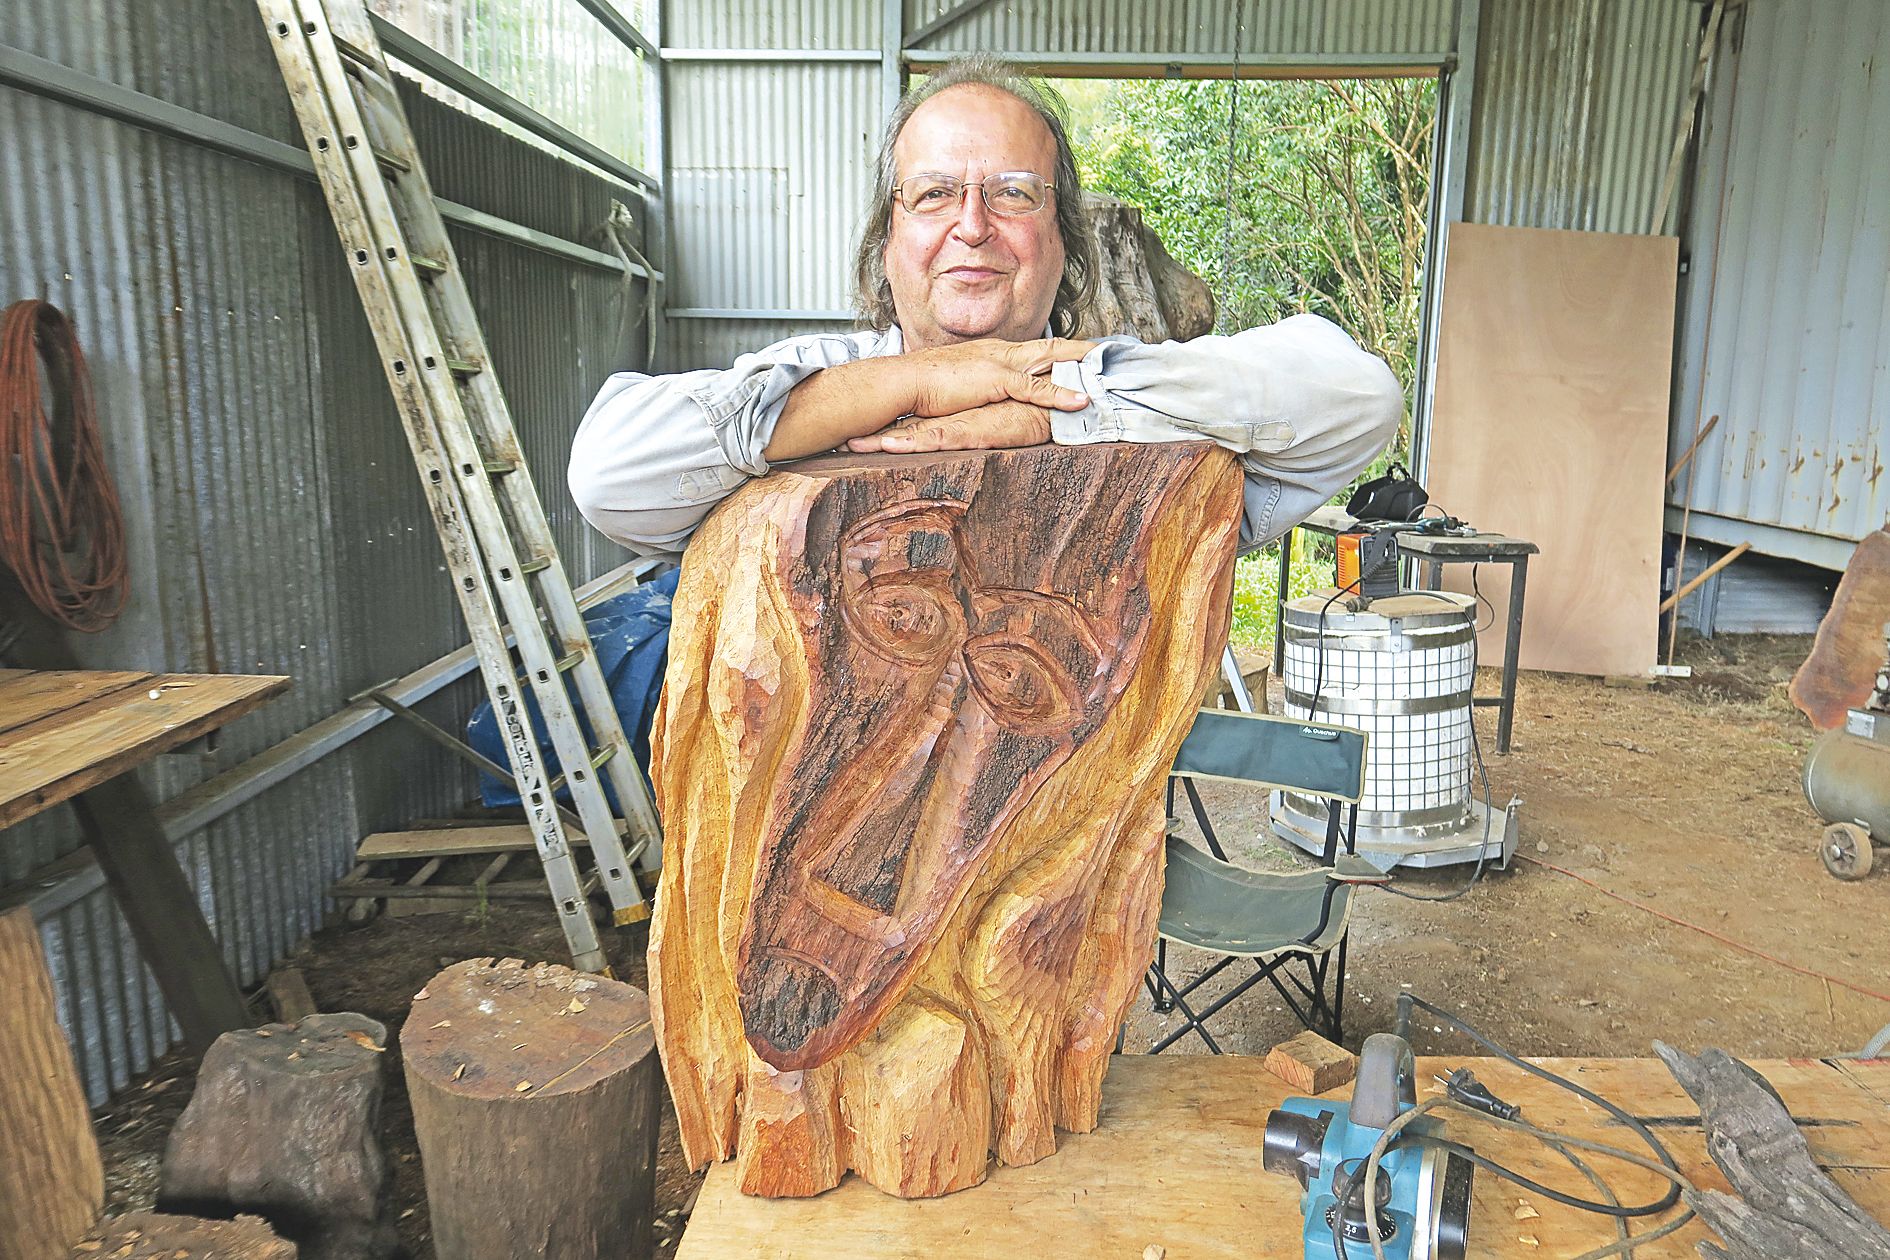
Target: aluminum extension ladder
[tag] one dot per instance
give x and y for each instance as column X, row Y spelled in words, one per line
column 492, row 526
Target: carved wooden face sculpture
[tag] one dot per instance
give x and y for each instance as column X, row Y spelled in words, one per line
column 916, row 723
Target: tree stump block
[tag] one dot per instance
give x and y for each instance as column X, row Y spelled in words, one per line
column 284, row 1124
column 51, row 1179
column 536, row 1101
column 910, row 757
column 155, row 1236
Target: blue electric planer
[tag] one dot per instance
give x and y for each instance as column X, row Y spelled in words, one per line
column 1423, row 1207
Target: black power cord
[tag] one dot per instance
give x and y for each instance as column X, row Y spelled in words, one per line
column 1481, row 1100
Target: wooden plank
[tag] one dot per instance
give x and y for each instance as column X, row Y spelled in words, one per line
column 53, row 1182
column 27, row 695
column 63, row 754
column 288, row 993
column 1176, row 1162
column 450, row 842
column 1550, row 424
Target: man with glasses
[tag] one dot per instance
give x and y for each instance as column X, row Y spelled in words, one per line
column 976, row 264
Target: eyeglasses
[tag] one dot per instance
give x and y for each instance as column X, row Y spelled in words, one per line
column 1008, row 193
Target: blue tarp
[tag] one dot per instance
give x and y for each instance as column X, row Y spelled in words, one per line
column 631, row 635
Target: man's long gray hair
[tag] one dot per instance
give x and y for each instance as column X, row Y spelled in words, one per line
column 1076, row 291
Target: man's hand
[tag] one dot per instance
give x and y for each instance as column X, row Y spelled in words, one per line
column 993, row 425
column 851, row 400
column 949, row 380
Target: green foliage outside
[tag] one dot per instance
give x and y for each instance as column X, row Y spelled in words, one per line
column 1318, row 204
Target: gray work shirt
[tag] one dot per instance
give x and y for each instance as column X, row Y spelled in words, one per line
column 1302, row 405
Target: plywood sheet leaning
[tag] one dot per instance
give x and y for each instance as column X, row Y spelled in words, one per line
column 910, row 758
column 51, row 1179
column 1842, row 668
column 1550, row 424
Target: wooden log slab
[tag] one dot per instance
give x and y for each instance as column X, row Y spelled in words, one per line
column 51, row 1179
column 1838, row 674
column 284, row 1124
column 536, row 1103
column 1789, row 1208
column 158, row 1236
column 910, row 757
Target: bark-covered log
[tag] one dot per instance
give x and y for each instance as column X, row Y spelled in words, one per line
column 284, row 1124
column 536, row 1101
column 156, row 1236
column 910, row 756
column 1140, row 290
column 1790, row 1210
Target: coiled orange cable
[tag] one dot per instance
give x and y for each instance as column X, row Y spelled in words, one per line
column 62, row 531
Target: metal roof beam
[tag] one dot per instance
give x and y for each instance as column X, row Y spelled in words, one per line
column 617, row 24
column 438, row 66
column 951, row 17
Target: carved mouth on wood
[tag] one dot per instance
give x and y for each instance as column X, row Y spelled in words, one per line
column 787, row 999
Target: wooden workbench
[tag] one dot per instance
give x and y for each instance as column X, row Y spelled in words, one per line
column 74, row 735
column 1176, row 1161
column 62, row 732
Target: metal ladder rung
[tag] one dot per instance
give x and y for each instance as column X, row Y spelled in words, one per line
column 597, row 758
column 427, row 266
column 464, row 367
column 500, row 467
column 534, row 564
column 568, row 663
column 359, row 56
column 390, row 164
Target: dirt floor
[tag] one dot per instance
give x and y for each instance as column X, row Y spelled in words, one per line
column 1668, row 887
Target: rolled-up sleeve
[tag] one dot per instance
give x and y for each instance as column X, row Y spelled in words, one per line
column 1302, row 404
column 655, row 454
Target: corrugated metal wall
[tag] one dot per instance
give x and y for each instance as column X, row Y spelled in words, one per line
column 1577, row 106
column 768, row 169
column 1787, row 337
column 1277, row 27
column 275, row 522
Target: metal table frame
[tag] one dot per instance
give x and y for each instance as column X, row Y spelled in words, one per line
column 1430, row 553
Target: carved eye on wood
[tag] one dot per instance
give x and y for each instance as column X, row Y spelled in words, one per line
column 912, row 618
column 1021, row 686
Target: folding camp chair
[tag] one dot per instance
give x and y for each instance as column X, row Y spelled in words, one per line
column 1282, row 923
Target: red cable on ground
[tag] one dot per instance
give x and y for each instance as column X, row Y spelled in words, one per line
column 1724, row 940
column 62, row 532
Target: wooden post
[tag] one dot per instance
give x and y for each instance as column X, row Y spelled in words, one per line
column 536, row 1102
column 51, row 1180
column 910, row 757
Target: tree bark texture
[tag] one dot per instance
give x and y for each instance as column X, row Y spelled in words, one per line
column 1788, row 1208
column 536, row 1101
column 910, row 757
column 1140, row 290
column 51, row 1178
column 285, row 1124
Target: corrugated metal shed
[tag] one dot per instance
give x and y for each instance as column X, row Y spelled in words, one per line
column 1577, row 106
column 274, row 516
column 1787, row 331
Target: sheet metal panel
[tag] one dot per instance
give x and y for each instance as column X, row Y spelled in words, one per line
column 1286, row 27
column 769, row 172
column 273, row 513
column 774, row 24
column 1787, row 332
column 1577, row 106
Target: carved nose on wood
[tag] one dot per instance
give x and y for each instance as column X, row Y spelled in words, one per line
column 785, row 1001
